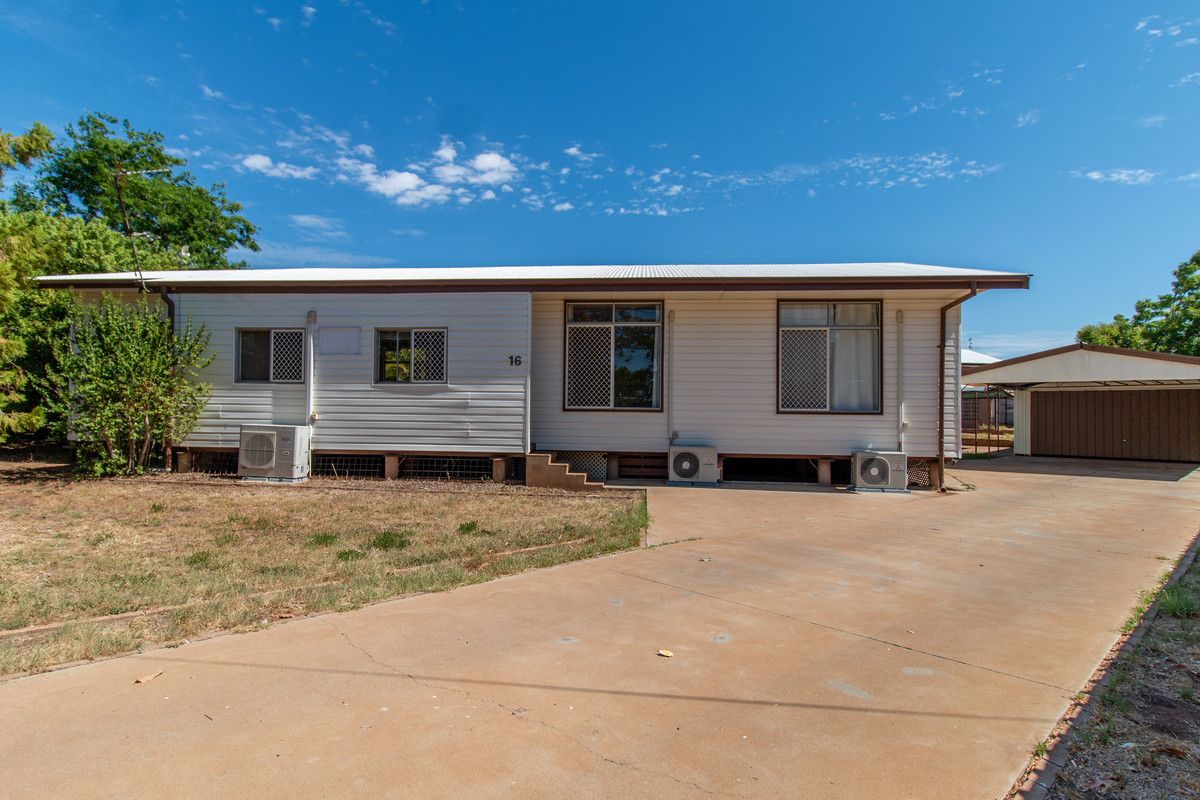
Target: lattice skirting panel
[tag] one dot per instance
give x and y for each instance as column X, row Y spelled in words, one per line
column 446, row 468
column 593, row 464
column 339, row 465
column 215, row 462
column 919, row 474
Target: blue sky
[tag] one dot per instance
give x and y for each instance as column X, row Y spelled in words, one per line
column 1053, row 138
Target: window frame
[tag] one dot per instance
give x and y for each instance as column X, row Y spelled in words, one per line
column 660, row 351
column 237, row 361
column 375, row 381
column 829, row 328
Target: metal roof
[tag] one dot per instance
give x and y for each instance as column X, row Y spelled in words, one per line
column 975, row 357
column 1088, row 364
column 632, row 275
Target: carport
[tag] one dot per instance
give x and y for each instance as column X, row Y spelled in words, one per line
column 1089, row 401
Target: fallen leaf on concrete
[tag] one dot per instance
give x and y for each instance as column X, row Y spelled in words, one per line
column 148, row 678
column 666, row 653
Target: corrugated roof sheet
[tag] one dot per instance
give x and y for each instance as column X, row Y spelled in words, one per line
column 629, row 272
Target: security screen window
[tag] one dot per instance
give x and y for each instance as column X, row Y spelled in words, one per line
column 270, row 355
column 829, row 357
column 614, row 356
column 415, row 355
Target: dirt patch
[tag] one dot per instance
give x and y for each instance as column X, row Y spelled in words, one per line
column 1141, row 739
column 97, row 567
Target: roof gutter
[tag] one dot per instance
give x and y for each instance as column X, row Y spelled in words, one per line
column 849, row 283
column 941, row 373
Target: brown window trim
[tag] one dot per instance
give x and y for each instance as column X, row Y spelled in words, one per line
column 662, row 327
column 778, row 378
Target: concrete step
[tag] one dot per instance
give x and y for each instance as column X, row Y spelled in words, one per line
column 542, row 470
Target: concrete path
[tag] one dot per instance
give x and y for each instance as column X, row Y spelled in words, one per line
column 826, row 645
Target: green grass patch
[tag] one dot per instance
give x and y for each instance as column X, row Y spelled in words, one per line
column 390, row 540
column 201, row 558
column 1177, row 601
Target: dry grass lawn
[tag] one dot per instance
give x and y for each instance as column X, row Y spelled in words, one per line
column 183, row 556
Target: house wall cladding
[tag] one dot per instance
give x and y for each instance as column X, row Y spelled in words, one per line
column 481, row 408
column 1147, row 424
column 724, row 389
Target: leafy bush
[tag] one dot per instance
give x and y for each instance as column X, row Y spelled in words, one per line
column 124, row 384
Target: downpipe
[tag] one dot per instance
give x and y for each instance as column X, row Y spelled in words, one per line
column 941, row 373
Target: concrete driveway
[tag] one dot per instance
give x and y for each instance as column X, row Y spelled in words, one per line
column 826, row 645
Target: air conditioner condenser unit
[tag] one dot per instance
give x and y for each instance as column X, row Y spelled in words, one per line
column 274, row 452
column 879, row 471
column 693, row 464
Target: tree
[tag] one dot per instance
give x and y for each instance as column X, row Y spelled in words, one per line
column 125, row 385
column 1169, row 323
column 163, row 200
column 23, row 149
column 33, row 243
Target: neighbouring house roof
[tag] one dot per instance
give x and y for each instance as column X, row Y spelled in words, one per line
column 1088, row 365
column 972, row 357
column 680, row 277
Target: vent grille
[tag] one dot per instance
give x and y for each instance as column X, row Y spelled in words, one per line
column 258, row 449
column 803, row 357
column 874, row 472
column 287, row 356
column 685, row 464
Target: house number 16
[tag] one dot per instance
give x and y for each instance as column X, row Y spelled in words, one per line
column 514, row 361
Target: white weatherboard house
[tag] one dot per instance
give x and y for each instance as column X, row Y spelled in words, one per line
column 782, row 368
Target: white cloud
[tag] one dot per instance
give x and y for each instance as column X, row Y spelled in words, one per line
column 318, row 227
column 1152, row 121
column 211, row 94
column 574, row 151
column 307, row 12
column 1004, row 345
column 1127, row 177
column 493, row 168
column 258, row 162
column 1030, row 117
column 563, row 206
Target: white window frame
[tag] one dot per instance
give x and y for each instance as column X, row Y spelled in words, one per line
column 412, row 332
column 237, row 366
column 612, row 325
column 828, row 329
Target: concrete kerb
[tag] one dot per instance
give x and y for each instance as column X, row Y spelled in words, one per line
column 1039, row 776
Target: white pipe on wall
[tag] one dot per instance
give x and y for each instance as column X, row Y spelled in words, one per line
column 901, row 421
column 668, row 389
